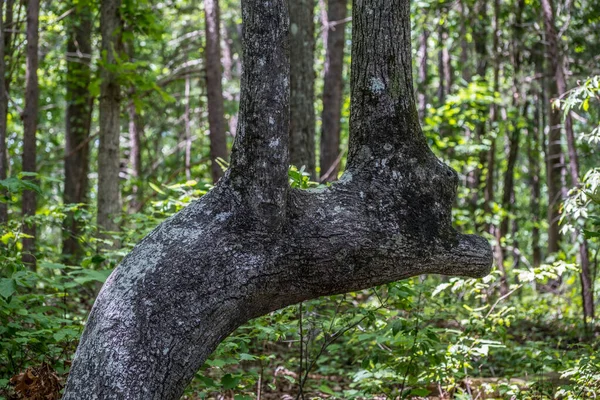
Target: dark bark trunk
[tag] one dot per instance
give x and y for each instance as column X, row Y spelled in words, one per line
column 554, row 149
column 78, row 119
column 253, row 245
column 302, row 80
column 109, row 195
column 333, row 90
column 533, row 156
column 3, row 116
column 214, row 88
column 30, row 115
column 422, row 71
column 464, row 45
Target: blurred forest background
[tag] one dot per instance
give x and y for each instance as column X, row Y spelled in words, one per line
column 115, row 114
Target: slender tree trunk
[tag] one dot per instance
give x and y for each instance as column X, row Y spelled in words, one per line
column 109, row 195
column 464, row 45
column 422, row 74
column 556, row 63
column 216, row 117
column 302, row 79
column 30, row 115
column 177, row 295
column 533, row 156
column 136, row 129
column 78, row 119
column 3, row 116
column 444, row 65
column 188, row 131
column 333, row 89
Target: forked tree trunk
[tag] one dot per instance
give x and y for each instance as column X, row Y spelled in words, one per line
column 253, row 245
column 109, row 154
column 214, row 88
column 3, row 116
column 302, row 80
column 30, row 115
column 333, row 89
column 78, row 119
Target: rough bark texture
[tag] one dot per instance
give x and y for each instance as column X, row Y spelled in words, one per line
column 109, row 196
column 556, row 63
column 3, row 116
column 333, row 89
column 30, row 115
column 214, row 87
column 302, row 80
column 253, row 245
column 78, row 119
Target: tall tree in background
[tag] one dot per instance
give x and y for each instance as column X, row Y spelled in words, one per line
column 3, row 116
column 333, row 89
column 557, row 88
column 302, row 81
column 78, row 119
column 214, row 87
column 109, row 199
column 30, row 116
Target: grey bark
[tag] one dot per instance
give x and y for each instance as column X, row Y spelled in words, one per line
column 3, row 116
column 253, row 245
column 109, row 196
column 78, row 118
column 333, row 89
column 214, row 87
column 29, row 116
column 556, row 63
column 302, row 84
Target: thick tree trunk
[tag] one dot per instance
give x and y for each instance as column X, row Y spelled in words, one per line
column 78, row 118
column 302, row 79
column 214, row 87
column 333, row 90
column 3, row 116
column 109, row 195
column 30, row 115
column 253, row 245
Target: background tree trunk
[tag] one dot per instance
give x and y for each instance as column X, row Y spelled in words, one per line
column 109, row 196
column 253, row 245
column 30, row 115
column 302, row 79
column 214, row 89
column 78, row 119
column 3, row 116
column 333, row 89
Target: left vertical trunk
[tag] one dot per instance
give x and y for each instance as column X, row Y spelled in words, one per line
column 109, row 196
column 214, row 89
column 78, row 118
column 29, row 129
column 302, row 84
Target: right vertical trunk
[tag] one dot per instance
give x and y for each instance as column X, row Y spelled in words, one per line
column 302, row 84
column 29, row 116
column 555, row 61
column 333, row 88
column 78, row 118
column 216, row 117
column 109, row 199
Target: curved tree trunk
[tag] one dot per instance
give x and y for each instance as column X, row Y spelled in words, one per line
column 214, row 87
column 333, row 90
column 78, row 119
column 30, row 115
column 253, row 245
column 109, row 155
column 302, row 84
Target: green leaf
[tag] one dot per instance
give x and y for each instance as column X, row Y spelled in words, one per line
column 419, row 392
column 229, row 382
column 156, row 188
column 7, row 287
